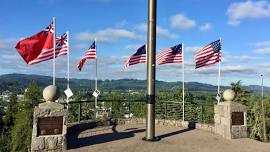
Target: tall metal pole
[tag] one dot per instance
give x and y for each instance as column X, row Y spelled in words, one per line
column 263, row 115
column 68, row 60
column 151, row 69
column 96, row 80
column 67, row 65
column 183, row 83
column 54, row 37
column 219, row 77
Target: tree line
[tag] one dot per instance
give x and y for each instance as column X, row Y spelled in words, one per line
column 16, row 123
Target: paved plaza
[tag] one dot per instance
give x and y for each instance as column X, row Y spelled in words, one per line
column 127, row 138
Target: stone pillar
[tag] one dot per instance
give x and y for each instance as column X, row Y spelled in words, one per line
column 49, row 124
column 230, row 117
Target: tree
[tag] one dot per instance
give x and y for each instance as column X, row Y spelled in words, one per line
column 22, row 131
column 255, row 122
column 8, row 121
column 241, row 95
column 209, row 109
column 254, row 114
column 12, row 110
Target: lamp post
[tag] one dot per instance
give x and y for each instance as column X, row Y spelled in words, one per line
column 263, row 115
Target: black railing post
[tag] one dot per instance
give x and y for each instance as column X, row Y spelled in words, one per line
column 128, row 108
column 201, row 112
column 166, row 110
column 79, row 112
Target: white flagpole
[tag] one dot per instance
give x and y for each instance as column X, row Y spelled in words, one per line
column 183, row 82
column 96, row 73
column 68, row 63
column 54, row 37
column 219, row 75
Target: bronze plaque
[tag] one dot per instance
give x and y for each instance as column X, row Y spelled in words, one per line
column 50, row 126
column 237, row 118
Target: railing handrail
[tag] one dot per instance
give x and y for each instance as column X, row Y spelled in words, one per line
column 126, row 100
column 136, row 107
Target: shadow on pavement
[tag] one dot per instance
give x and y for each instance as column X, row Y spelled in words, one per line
column 174, row 133
column 74, row 142
column 191, row 126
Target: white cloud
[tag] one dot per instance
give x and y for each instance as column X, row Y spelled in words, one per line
column 243, row 58
column 264, row 50
column 164, row 33
column 206, row 27
column 111, row 67
column 141, row 27
column 238, row 69
column 262, row 47
column 109, row 35
column 239, row 11
column 2, row 45
column 263, row 65
column 7, row 43
column 9, row 57
column 263, row 43
column 132, row 47
column 80, row 47
column 161, row 32
column 121, row 24
column 193, row 49
column 228, row 70
column 179, row 21
column 112, row 60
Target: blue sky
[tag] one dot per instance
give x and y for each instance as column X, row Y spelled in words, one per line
column 120, row 27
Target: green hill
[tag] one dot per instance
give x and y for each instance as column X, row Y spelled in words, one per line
column 19, row 82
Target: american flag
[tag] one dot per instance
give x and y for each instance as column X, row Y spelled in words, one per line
column 90, row 54
column 137, row 57
column 61, row 48
column 209, row 55
column 170, row 55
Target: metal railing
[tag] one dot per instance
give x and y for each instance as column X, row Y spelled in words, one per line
column 170, row 110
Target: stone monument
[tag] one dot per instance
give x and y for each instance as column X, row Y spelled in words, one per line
column 49, row 123
column 230, row 117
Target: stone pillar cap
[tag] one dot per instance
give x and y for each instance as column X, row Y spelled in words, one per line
column 228, row 95
column 51, row 93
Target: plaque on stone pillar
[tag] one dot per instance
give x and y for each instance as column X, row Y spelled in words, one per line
column 230, row 117
column 50, row 126
column 237, row 118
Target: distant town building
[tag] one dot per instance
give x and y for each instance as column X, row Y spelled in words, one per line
column 5, row 95
column 20, row 97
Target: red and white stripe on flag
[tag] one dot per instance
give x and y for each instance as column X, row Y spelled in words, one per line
column 170, row 55
column 90, row 54
column 139, row 56
column 209, row 55
column 61, row 49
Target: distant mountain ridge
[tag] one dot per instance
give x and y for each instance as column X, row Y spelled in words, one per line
column 21, row 81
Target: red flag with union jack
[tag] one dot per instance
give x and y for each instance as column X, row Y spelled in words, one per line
column 31, row 47
column 90, row 54
column 61, row 48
